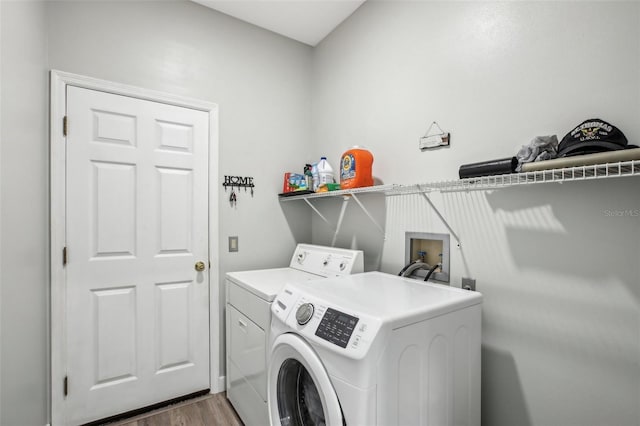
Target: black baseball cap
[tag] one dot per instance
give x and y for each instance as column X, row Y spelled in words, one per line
column 590, row 136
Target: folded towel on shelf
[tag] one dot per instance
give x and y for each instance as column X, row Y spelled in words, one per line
column 540, row 148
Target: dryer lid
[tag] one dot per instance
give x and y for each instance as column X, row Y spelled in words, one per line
column 266, row 283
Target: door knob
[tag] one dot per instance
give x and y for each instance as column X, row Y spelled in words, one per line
column 199, row 266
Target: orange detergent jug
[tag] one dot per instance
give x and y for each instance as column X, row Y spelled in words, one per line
column 355, row 168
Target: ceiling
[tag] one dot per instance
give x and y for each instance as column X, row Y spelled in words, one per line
column 308, row 21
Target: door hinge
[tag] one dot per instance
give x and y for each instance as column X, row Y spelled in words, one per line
column 65, row 385
column 64, row 125
column 64, row 256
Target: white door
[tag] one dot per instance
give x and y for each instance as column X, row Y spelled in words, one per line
column 137, row 311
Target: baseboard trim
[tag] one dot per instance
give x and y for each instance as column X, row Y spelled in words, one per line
column 220, row 385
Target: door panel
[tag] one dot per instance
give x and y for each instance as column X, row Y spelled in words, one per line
column 115, row 335
column 113, row 215
column 111, row 127
column 174, row 344
column 137, row 222
column 176, row 216
column 174, row 137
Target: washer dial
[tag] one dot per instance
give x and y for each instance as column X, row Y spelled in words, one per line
column 304, row 313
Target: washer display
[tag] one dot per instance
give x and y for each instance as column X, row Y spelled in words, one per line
column 336, row 327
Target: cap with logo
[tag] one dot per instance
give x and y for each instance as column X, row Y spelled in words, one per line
column 591, row 136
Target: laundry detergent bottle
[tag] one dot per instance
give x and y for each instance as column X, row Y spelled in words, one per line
column 355, row 168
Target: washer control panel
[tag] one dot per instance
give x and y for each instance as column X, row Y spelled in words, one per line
column 333, row 327
column 336, row 327
column 327, row 261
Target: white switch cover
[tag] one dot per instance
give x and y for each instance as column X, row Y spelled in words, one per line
column 233, row 244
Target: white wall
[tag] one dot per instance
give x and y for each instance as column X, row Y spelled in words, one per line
column 261, row 82
column 561, row 329
column 494, row 74
column 24, row 217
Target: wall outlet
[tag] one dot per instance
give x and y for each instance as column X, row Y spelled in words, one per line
column 469, row 284
column 233, row 244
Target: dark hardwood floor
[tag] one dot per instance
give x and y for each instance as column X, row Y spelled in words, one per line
column 209, row 410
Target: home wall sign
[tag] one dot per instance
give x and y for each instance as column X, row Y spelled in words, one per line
column 237, row 182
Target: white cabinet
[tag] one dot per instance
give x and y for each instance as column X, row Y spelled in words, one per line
column 247, row 348
column 248, row 319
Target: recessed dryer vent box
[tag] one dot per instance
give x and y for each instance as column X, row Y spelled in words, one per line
column 431, row 249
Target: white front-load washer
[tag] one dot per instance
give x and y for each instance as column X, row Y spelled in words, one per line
column 248, row 317
column 375, row 349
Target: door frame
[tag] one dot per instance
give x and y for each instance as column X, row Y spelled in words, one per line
column 59, row 80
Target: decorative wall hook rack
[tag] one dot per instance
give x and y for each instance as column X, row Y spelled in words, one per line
column 237, row 182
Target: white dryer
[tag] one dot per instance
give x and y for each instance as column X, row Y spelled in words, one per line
column 248, row 317
column 375, row 349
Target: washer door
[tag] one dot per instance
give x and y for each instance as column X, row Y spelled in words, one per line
column 299, row 391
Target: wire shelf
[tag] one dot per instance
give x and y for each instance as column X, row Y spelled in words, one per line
column 386, row 189
column 596, row 171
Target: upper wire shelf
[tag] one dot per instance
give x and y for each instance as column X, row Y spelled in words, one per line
column 386, row 189
column 568, row 174
column 596, row 171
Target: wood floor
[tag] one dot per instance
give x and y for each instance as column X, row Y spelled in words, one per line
column 209, row 410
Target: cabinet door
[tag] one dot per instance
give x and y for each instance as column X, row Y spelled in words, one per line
column 247, row 350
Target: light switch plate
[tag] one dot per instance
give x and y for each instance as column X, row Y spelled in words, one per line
column 233, row 244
